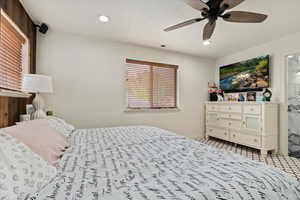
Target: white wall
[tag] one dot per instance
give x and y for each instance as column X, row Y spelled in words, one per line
column 278, row 50
column 89, row 83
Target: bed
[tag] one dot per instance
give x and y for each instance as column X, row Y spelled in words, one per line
column 147, row 163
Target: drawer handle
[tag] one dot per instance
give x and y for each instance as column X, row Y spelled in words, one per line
column 255, row 140
column 252, row 109
column 233, row 136
column 225, row 133
column 229, row 123
column 210, row 130
column 229, row 115
column 229, row 108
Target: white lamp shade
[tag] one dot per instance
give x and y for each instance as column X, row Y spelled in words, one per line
column 36, row 83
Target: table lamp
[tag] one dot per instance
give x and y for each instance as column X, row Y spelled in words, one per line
column 37, row 83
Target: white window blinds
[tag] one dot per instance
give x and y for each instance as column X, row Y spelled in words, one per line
column 151, row 85
column 12, row 51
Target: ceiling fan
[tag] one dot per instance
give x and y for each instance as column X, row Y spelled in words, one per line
column 215, row 9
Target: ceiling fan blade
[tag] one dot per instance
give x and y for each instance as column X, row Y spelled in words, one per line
column 209, row 30
column 197, row 4
column 244, row 17
column 183, row 24
column 231, row 3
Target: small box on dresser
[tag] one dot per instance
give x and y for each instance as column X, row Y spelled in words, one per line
column 253, row 124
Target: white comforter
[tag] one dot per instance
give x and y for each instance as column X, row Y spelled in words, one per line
column 146, row 163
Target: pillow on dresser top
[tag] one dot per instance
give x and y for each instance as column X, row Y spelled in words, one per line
column 41, row 139
column 22, row 172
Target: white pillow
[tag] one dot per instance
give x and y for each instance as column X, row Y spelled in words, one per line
column 28, row 171
column 61, row 125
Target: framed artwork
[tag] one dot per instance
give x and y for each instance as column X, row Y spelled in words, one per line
column 251, row 96
column 241, row 97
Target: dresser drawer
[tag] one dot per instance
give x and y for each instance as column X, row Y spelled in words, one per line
column 252, row 109
column 212, row 107
column 212, row 122
column 230, row 123
column 230, row 116
column 218, row 133
column 251, row 140
column 212, row 115
column 231, row 108
column 212, row 118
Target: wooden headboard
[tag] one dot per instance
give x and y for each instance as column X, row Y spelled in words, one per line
column 11, row 108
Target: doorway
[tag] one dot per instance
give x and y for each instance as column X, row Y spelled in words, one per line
column 293, row 94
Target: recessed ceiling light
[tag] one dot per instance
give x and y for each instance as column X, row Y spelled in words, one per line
column 290, row 56
column 103, row 18
column 206, row 42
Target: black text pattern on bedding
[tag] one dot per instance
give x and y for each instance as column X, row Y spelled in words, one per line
column 145, row 163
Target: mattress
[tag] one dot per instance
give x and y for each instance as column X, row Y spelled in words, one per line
column 147, row 163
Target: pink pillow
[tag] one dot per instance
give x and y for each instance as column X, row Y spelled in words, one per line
column 42, row 139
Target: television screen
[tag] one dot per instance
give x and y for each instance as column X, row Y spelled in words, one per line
column 249, row 75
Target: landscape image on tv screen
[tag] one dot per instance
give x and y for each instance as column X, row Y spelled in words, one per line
column 248, row 75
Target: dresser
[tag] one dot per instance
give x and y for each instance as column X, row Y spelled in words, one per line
column 253, row 124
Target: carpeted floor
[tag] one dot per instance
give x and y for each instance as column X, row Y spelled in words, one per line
column 287, row 164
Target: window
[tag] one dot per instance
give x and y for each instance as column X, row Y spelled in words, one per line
column 13, row 54
column 151, row 85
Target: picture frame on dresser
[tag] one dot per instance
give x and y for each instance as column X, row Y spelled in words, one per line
column 251, row 124
column 251, row 96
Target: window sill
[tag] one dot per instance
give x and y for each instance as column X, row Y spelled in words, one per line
column 8, row 93
column 131, row 110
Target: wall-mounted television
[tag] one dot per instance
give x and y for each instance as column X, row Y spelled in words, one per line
column 249, row 75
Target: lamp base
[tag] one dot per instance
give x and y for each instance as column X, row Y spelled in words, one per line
column 38, row 114
column 38, row 104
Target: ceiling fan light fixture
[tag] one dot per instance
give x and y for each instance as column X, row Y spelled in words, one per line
column 103, row 18
column 206, row 42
